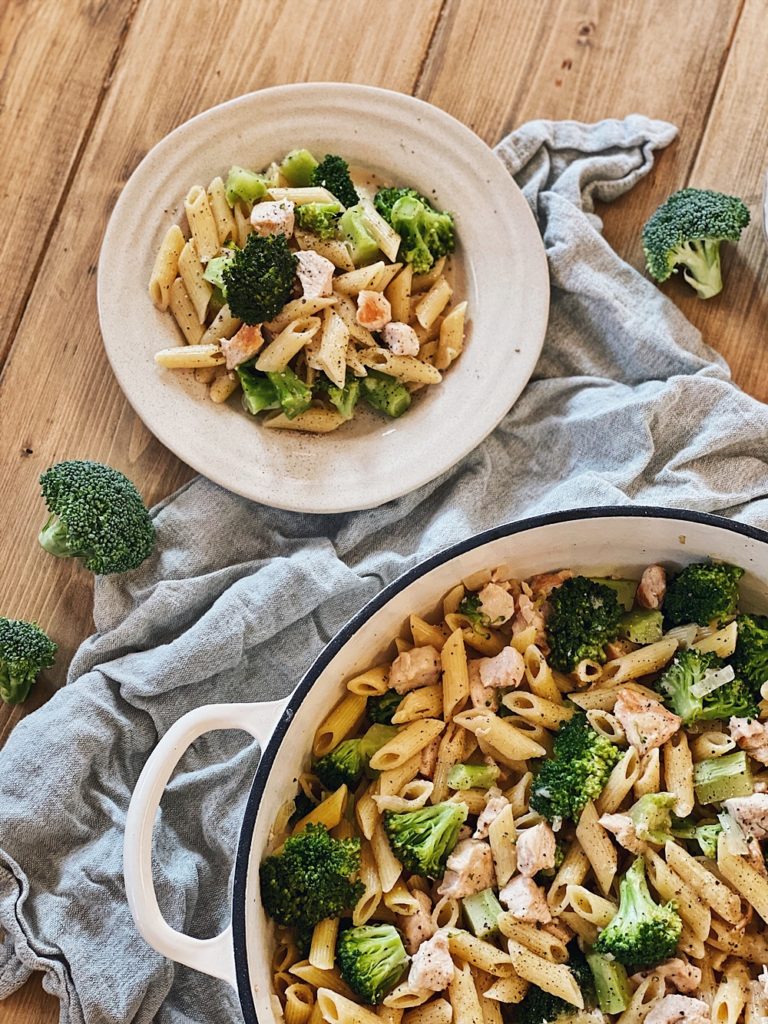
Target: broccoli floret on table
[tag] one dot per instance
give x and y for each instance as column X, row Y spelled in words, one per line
column 643, row 932
column 704, row 592
column 312, row 877
column 585, row 616
column 576, row 773
column 381, row 709
column 687, row 231
column 95, row 514
column 685, row 679
column 426, row 233
column 320, row 218
column 372, row 960
column 333, row 173
column 25, row 650
column 424, row 839
column 345, row 764
column 750, row 659
column 259, row 278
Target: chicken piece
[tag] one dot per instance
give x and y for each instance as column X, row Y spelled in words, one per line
column 529, row 615
column 429, row 758
column 418, row 927
column 412, row 669
column 618, row 648
column 751, row 812
column 672, row 1009
column 646, row 722
column 505, row 669
column 678, row 972
column 622, row 826
column 525, row 900
column 652, row 587
column 755, row 856
column 495, row 802
column 543, row 584
column 536, row 849
column 373, row 310
column 751, row 736
column 560, row 930
column 241, row 346
column 485, row 697
column 274, row 218
column 468, row 869
column 497, row 603
column 401, row 339
column 315, row 273
column 432, row 966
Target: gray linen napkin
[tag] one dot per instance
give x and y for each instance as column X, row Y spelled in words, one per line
column 627, row 406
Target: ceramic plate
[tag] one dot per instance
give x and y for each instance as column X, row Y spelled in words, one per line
column 499, row 267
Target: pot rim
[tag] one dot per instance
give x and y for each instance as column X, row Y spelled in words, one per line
column 335, row 644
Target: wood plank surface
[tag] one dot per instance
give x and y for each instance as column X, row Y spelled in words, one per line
column 492, row 63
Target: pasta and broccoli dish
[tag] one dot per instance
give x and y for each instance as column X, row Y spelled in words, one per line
column 547, row 808
column 310, row 288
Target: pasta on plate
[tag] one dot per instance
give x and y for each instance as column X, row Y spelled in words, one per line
column 309, row 288
column 549, row 806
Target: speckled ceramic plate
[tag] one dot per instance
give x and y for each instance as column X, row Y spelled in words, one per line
column 499, row 266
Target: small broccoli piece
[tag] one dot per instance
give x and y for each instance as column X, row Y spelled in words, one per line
column 652, row 817
column 703, row 592
column 611, row 983
column 472, row 776
column 720, row 778
column 362, row 246
column 689, row 674
column 426, row 233
column 642, row 626
column 214, row 269
column 320, row 218
column 302, row 805
column 95, row 514
column 424, row 839
column 750, row 659
column 539, row 1007
column 686, row 231
column 385, row 393
column 333, row 173
column 481, row 913
column 704, row 833
column 259, row 393
column 372, row 960
column 576, row 773
column 244, row 186
column 469, row 606
column 585, row 617
column 642, row 933
column 345, row 399
column 297, row 168
column 293, row 394
column 381, row 709
column 259, row 280
column 25, row 650
column 625, row 589
column 345, row 764
column 312, row 877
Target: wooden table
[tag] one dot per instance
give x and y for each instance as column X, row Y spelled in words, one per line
column 87, row 88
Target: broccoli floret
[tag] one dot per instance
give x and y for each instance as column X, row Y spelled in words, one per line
column 424, row 839
column 643, row 933
column 688, row 674
column 345, row 764
column 333, row 173
column 426, row 233
column 576, row 773
column 611, row 983
column 381, row 709
column 345, row 399
column 372, row 960
column 95, row 514
column 214, row 269
column 750, row 659
column 259, row 279
column 652, row 817
column 704, row 833
column 703, row 592
column 585, row 617
column 686, row 231
column 292, row 393
column 302, row 805
column 245, row 186
column 363, row 247
column 321, row 218
column 469, row 606
column 311, row 878
column 539, row 1007
column 25, row 650
column 259, row 393
column 385, row 393
column 642, row 626
column 472, row 776
column 297, row 168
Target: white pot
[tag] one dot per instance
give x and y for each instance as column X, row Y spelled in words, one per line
column 595, row 541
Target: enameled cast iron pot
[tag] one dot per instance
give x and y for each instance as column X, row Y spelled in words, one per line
column 597, row 541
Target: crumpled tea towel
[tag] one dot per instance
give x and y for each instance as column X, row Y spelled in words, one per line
column 627, row 406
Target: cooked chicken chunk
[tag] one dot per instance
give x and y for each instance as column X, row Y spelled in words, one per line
column 373, row 310
column 543, row 584
column 412, row 669
column 315, row 274
column 672, row 1009
column 646, row 722
column 486, row 697
column 652, row 587
column 418, row 927
column 751, row 736
column 525, row 900
column 622, row 826
column 529, row 615
column 751, row 812
column 432, row 966
column 273, row 218
column 505, row 669
column 536, row 849
column 678, row 972
column 495, row 802
column 401, row 339
column 241, row 346
column 497, row 603
column 468, row 869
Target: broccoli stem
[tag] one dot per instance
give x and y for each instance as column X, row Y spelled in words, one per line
column 297, row 168
column 385, row 393
column 611, row 983
column 245, row 186
column 700, row 259
column 642, row 626
column 472, row 776
column 54, row 537
column 481, row 913
column 720, row 778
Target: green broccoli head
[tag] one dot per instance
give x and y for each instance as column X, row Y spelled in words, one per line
column 312, row 877
column 372, row 960
column 344, row 399
column 642, row 933
column 539, row 1007
column 345, row 764
column 585, row 616
column 469, row 607
column 294, row 396
column 385, row 393
column 320, row 218
column 25, row 650
column 423, row 840
column 426, row 233
column 259, row 278
column 704, row 592
column 381, row 709
column 333, row 173
column 576, row 773
column 750, row 659
column 95, row 514
column 687, row 230
column 704, row 833
column 652, row 817
column 685, row 681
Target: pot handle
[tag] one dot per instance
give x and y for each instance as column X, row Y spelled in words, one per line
column 214, row 956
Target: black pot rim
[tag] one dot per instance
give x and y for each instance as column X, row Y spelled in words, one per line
column 331, row 649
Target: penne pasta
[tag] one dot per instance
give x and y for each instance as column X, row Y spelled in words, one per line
column 166, row 267
column 201, row 223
